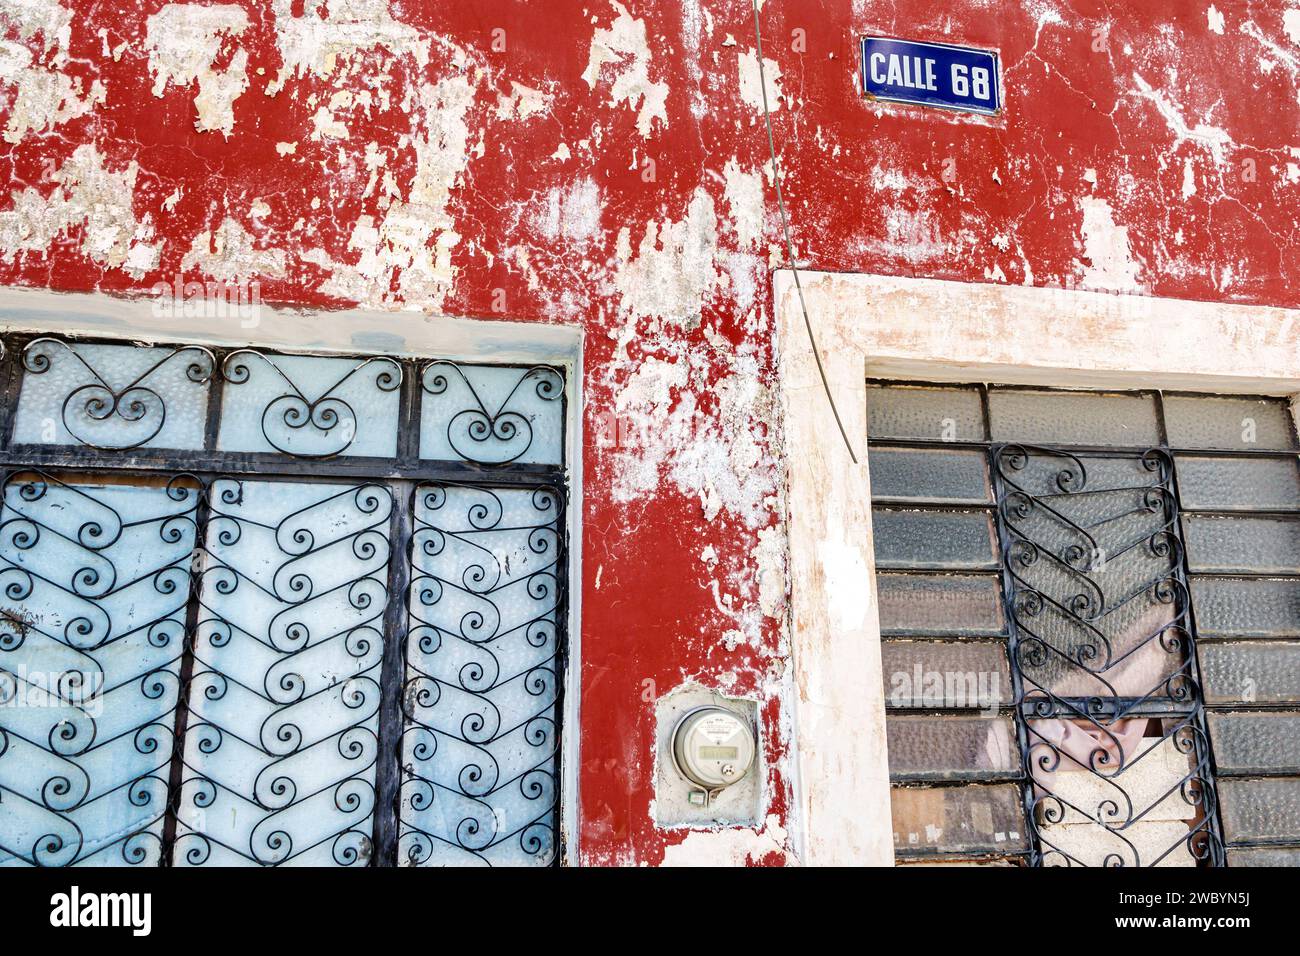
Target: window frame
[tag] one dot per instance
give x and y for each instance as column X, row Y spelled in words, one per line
column 934, row 330
column 96, row 319
column 987, row 446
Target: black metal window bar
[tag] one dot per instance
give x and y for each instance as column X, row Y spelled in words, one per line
column 1101, row 651
column 1045, row 534
column 319, row 621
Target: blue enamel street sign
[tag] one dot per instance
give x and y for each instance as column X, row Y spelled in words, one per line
column 931, row 74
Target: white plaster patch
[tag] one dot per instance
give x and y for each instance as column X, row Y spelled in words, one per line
column 318, row 44
column 1189, row 179
column 1202, row 134
column 182, row 41
column 913, row 234
column 720, row 461
column 572, row 211
column 87, row 197
column 43, row 98
column 744, row 192
column 751, row 82
column 49, row 18
column 1107, row 247
column 521, row 102
column 414, row 239
column 771, row 553
column 1215, row 19
column 845, row 570
column 1291, row 24
column 43, row 95
column 624, row 46
column 734, row 846
column 673, row 270
column 230, row 255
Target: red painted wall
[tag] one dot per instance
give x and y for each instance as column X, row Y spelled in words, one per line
column 381, row 154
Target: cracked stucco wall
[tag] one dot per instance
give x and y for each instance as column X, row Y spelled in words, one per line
column 603, row 164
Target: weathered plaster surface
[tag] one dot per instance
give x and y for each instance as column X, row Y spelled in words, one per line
column 604, row 165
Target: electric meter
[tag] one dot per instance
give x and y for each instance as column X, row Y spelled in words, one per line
column 712, row 748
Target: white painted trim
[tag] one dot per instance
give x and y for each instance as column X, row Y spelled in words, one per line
column 929, row 329
column 403, row 334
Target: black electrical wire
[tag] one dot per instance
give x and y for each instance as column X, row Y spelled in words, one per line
column 785, row 229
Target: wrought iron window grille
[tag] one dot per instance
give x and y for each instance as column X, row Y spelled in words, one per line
column 1096, row 613
column 1102, row 651
column 403, row 614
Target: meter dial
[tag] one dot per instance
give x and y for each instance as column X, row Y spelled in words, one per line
column 713, row 747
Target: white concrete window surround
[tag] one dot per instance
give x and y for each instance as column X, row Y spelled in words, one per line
column 932, row 330
column 398, row 334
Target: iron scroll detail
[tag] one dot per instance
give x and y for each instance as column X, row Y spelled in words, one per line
column 109, row 418
column 1110, row 713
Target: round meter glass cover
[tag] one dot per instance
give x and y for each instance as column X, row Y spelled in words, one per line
column 713, row 747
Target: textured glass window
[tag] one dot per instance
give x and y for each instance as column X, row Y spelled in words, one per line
column 1239, row 484
column 927, row 475
column 270, row 609
column 939, row 604
column 1247, row 607
column 958, row 820
column 1256, row 743
column 280, row 748
column 1265, row 810
column 1073, row 418
column 934, row 413
column 1249, row 424
column 1227, row 544
column 1147, row 615
column 492, row 414
column 951, row 748
column 479, row 748
column 309, row 407
column 94, row 576
column 1265, row 856
column 1257, row 671
column 957, row 674
column 915, row 538
column 113, row 396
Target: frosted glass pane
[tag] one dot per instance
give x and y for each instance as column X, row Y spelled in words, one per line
column 970, row 819
column 283, row 732
column 1232, row 484
column 94, row 577
column 1212, row 422
column 1256, row 743
column 309, row 406
column 1082, row 418
column 1242, row 607
column 113, row 396
column 951, row 748
column 1264, row 810
column 926, row 474
column 933, row 539
column 1264, row 856
column 1258, row 671
column 931, row 674
column 1097, row 598
column 908, row 411
column 492, row 415
column 1242, row 544
column 939, row 603
column 480, row 779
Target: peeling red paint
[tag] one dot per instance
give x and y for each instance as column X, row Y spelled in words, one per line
column 1121, row 162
